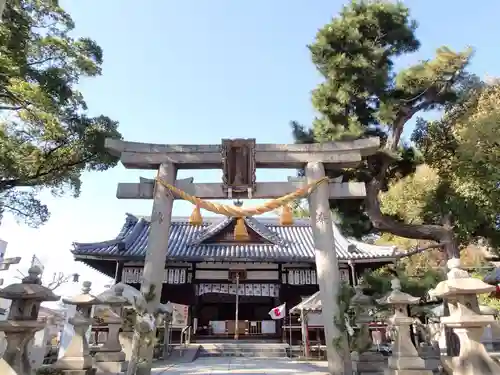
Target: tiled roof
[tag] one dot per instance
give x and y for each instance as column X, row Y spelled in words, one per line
column 186, row 242
column 311, row 303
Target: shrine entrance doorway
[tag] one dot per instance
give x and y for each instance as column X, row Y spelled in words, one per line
column 216, row 316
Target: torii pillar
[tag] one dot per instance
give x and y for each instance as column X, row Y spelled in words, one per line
column 157, row 247
column 327, row 271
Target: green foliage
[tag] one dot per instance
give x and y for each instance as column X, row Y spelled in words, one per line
column 46, row 137
column 354, row 54
column 378, row 283
column 462, row 149
column 407, row 198
column 486, row 299
column 300, row 209
column 362, row 95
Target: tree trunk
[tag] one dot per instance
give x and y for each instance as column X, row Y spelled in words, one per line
column 442, row 234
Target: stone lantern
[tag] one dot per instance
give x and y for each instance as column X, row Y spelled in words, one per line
column 461, row 290
column 76, row 359
column 110, row 358
column 364, row 361
column 22, row 322
column 405, row 359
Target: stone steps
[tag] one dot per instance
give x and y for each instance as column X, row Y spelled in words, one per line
column 184, row 354
column 243, row 349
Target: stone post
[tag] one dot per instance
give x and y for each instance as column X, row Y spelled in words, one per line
column 22, row 322
column 493, row 278
column 461, row 290
column 37, row 347
column 495, row 335
column 2, row 7
column 110, row 358
column 156, row 252
column 428, row 349
column 127, row 332
column 364, row 361
column 405, row 359
column 327, row 270
column 164, row 319
column 76, row 359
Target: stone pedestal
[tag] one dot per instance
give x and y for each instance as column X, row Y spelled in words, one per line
column 495, row 336
column 37, row 348
column 368, row 363
column 22, row 324
column 110, row 359
column 364, row 361
column 405, row 359
column 126, row 335
column 89, row 371
column 126, row 343
column 431, row 356
column 76, row 358
column 109, row 363
column 461, row 292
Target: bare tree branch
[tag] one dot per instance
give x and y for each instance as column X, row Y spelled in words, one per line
column 58, row 280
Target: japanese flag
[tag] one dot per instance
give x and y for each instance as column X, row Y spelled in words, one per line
column 278, row 312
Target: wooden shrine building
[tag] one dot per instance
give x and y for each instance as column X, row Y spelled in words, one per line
column 275, row 264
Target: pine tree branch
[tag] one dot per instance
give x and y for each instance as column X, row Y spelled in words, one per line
column 16, row 210
column 33, row 180
column 10, row 108
column 420, row 250
column 441, row 234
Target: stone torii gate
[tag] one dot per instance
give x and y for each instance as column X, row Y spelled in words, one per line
column 239, row 160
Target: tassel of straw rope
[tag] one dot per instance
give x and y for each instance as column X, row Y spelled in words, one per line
column 234, row 211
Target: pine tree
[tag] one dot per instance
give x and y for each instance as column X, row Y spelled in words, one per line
column 362, row 95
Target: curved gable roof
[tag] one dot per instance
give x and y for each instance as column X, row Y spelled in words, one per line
column 186, row 242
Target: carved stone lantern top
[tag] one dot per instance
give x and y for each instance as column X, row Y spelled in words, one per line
column 359, row 298
column 397, row 297
column 83, row 299
column 26, row 297
column 459, row 282
column 362, row 304
column 460, row 289
column 400, row 301
column 29, row 289
column 115, row 300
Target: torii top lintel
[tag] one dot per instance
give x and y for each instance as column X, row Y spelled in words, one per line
column 136, row 155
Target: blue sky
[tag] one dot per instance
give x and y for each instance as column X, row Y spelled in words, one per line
column 198, row 71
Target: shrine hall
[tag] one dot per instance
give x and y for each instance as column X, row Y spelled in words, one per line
column 274, row 264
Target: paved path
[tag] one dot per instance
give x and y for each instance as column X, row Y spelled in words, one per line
column 243, row 366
